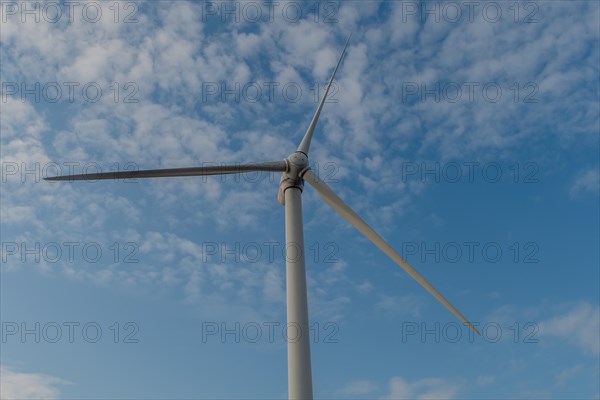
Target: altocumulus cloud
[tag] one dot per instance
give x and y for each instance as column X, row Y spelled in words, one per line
column 579, row 325
column 587, row 182
column 23, row 385
column 427, row 388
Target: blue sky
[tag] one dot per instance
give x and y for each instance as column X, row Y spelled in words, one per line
column 467, row 135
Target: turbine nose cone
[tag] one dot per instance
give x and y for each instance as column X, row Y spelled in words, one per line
column 298, row 158
column 297, row 164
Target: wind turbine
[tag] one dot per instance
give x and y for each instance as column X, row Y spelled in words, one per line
column 295, row 170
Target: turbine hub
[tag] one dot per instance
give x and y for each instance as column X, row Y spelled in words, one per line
column 297, row 164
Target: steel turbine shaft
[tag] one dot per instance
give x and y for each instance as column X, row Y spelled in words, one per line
column 295, row 171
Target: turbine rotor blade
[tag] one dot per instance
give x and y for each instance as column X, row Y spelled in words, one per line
column 275, row 166
column 349, row 215
column 305, row 144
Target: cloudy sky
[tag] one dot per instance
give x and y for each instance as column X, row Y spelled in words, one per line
column 466, row 133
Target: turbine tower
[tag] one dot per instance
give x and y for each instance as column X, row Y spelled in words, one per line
column 295, row 171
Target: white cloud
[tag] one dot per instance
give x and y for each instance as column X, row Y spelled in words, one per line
column 484, row 380
column 587, row 182
column 427, row 388
column 579, row 325
column 364, row 287
column 23, row 385
column 563, row 376
column 358, row 388
column 169, row 53
column 407, row 305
